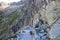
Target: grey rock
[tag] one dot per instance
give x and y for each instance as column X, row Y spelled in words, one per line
column 39, row 34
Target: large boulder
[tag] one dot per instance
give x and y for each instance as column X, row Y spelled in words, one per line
column 52, row 12
column 55, row 32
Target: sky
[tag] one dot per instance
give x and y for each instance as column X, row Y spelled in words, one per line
column 8, row 1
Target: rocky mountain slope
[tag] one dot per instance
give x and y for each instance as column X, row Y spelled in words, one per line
column 42, row 15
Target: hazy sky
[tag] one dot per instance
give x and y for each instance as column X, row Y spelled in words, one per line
column 8, row 1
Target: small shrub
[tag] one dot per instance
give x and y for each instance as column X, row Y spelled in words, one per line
column 31, row 33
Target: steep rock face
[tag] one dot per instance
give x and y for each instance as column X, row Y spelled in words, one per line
column 32, row 12
column 25, row 15
column 33, row 8
column 50, row 13
column 28, row 16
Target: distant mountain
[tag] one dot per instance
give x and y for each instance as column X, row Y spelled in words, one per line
column 16, row 3
column 4, row 5
column 19, row 2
